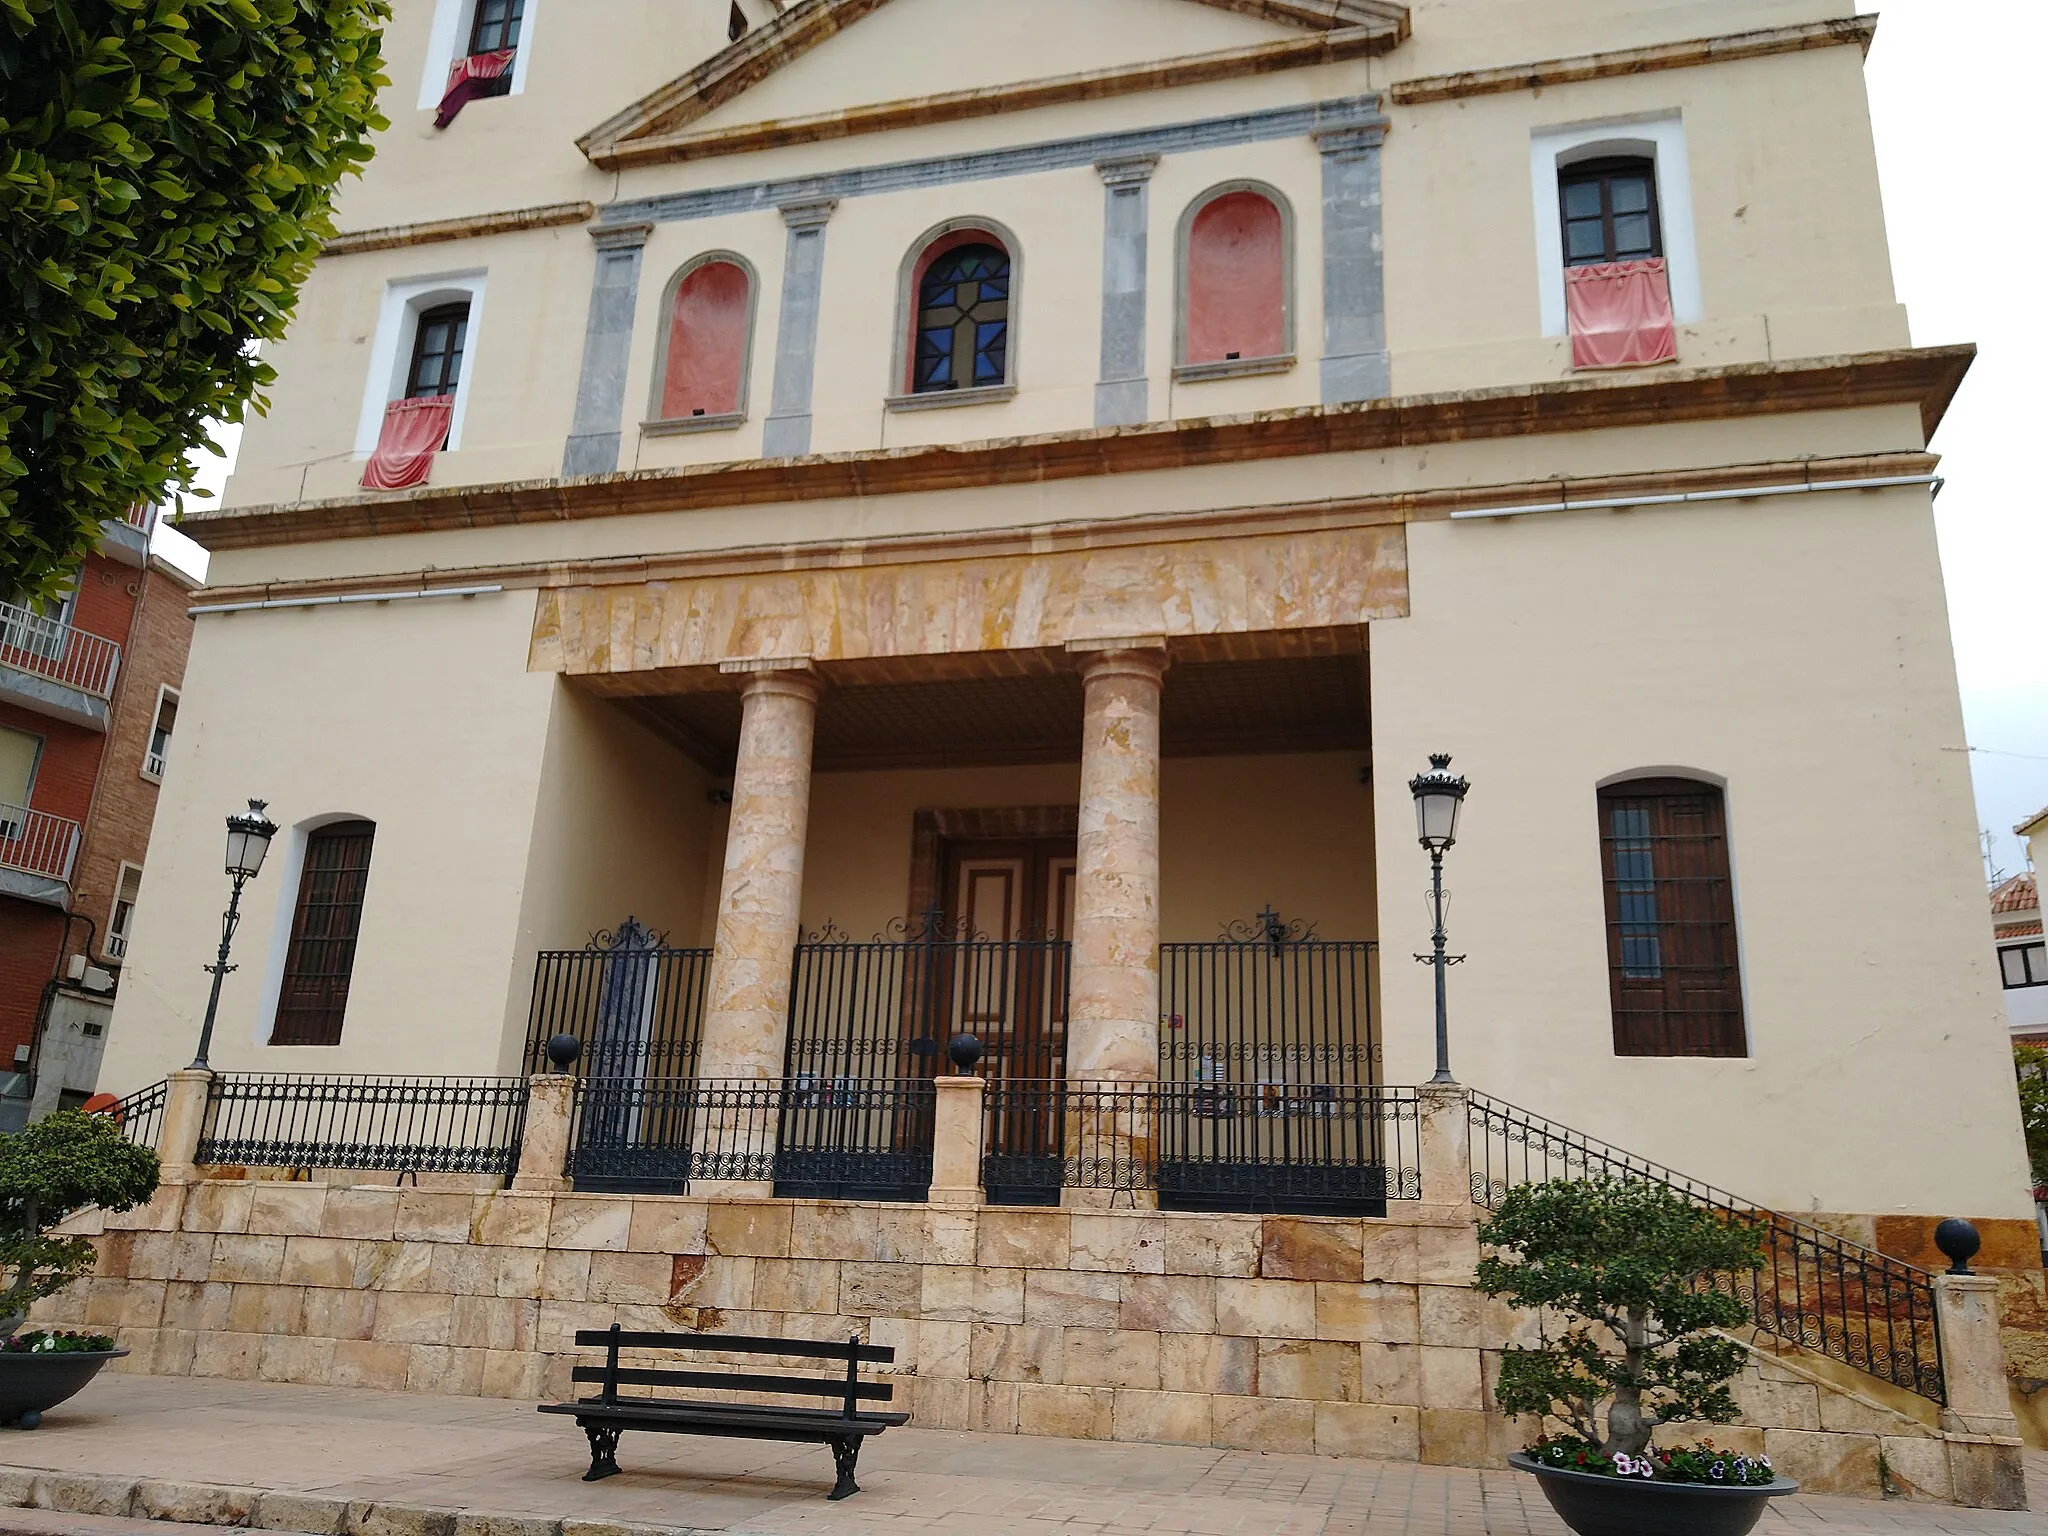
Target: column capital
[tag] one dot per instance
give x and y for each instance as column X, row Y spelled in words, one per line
column 813, row 213
column 1122, row 171
column 620, row 237
column 1140, row 656
column 1352, row 143
column 789, row 676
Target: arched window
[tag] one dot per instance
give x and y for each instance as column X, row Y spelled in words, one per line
column 327, row 915
column 1236, row 280
column 701, row 376
column 963, row 320
column 960, row 302
column 1673, row 969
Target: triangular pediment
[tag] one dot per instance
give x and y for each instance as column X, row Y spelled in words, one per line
column 836, row 68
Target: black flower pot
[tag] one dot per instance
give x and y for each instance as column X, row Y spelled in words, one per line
column 1594, row 1505
column 31, row 1385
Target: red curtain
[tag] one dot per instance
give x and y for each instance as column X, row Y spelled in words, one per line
column 467, row 79
column 1620, row 315
column 414, row 431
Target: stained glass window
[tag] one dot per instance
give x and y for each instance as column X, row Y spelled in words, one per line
column 963, row 321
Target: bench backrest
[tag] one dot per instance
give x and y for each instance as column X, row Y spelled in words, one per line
column 850, row 1390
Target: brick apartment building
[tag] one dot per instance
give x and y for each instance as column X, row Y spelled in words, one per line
column 88, row 703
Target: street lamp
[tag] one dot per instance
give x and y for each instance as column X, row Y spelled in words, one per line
column 1439, row 795
column 249, row 835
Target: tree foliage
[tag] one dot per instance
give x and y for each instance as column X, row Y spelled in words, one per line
column 166, row 173
column 1624, row 1262
column 2031, row 1062
column 58, row 1165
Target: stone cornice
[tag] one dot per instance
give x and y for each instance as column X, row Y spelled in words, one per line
column 1858, row 30
column 649, row 131
column 1098, row 533
column 1925, row 377
column 655, row 148
column 466, row 228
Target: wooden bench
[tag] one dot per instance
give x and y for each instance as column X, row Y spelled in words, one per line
column 608, row 1415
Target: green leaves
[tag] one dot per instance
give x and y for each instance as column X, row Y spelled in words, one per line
column 56, row 1166
column 2031, row 1062
column 1630, row 1265
column 167, row 171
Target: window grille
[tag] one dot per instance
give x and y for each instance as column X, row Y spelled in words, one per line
column 1671, row 942
column 326, row 918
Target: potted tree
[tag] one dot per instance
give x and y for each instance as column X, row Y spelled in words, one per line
column 1629, row 1267
column 59, row 1165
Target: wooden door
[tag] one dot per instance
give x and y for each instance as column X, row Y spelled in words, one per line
column 1012, row 904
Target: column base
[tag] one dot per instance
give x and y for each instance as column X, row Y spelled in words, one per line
column 179, row 1173
column 539, row 1184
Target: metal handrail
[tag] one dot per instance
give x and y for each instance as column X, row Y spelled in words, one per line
column 37, row 842
column 139, row 1117
column 1816, row 1289
column 392, row 1124
column 63, row 653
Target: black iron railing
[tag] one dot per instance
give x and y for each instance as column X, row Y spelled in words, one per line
column 386, row 1124
column 1267, row 1004
column 635, row 1005
column 140, row 1116
column 813, row 1138
column 884, row 1008
column 1318, row 1149
column 1817, row 1290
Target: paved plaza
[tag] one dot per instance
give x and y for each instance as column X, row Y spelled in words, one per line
column 502, row 1459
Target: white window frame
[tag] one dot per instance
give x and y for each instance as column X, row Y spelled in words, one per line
column 1660, row 140
column 453, row 22
column 398, row 322
column 156, row 775
column 116, row 946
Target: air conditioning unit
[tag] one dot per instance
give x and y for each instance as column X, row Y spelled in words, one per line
column 75, row 969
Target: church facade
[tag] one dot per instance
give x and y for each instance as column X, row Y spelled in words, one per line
column 787, row 533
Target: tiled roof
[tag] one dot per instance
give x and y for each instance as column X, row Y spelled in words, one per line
column 2017, row 930
column 2018, row 894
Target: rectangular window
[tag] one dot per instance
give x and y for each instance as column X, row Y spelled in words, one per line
column 2024, row 965
column 158, row 752
column 326, row 918
column 1674, row 979
column 18, row 754
column 496, row 27
column 437, row 345
column 1610, row 212
column 118, row 925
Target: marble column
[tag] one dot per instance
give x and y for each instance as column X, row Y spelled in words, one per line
column 746, row 1009
column 1113, row 1007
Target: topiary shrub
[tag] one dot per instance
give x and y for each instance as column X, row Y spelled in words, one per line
column 1628, row 1265
column 59, row 1165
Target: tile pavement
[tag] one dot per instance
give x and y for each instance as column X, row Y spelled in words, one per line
column 503, row 1459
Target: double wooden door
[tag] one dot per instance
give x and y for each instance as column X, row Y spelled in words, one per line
column 1012, row 905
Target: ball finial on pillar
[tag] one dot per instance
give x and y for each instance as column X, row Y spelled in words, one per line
column 1959, row 1242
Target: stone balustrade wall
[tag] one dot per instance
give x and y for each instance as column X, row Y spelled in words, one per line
column 1337, row 1336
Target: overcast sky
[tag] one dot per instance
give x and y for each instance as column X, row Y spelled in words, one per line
column 1953, row 88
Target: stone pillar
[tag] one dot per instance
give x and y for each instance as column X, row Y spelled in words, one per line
column 1113, row 1007
column 544, row 1144
column 1123, row 397
column 1984, row 1446
column 1355, row 365
column 746, row 1008
column 1444, row 1143
column 787, row 431
column 184, row 1122
column 593, row 446
column 956, row 1141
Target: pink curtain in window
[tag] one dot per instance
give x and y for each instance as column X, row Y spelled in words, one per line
column 467, row 79
column 1620, row 315
column 414, row 431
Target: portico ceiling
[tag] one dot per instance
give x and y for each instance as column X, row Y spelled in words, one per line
column 1306, row 703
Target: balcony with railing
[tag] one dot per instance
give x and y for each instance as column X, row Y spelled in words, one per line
column 56, row 668
column 37, row 852
column 126, row 538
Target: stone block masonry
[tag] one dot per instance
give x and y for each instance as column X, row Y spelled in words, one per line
column 1348, row 1337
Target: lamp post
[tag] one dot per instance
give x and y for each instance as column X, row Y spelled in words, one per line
column 249, row 835
column 1439, row 795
